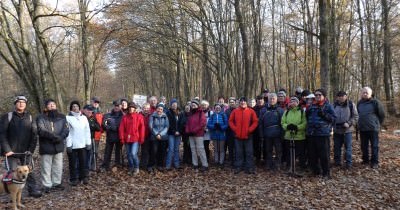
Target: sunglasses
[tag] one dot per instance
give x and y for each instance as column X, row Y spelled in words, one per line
column 318, row 94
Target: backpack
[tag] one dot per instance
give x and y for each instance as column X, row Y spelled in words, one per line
column 350, row 105
column 10, row 115
column 302, row 112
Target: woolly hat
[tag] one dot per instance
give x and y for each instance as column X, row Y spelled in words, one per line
column 132, row 104
column 311, row 95
column 294, row 99
column 299, row 90
column 96, row 99
column 305, row 93
column 195, row 101
column 116, row 103
column 173, row 101
column 19, row 98
column 281, row 93
column 242, row 99
column 88, row 107
column 74, row 103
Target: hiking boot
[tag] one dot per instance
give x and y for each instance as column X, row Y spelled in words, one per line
column 136, row 171
column 375, row 166
column 85, row 181
column 237, row 171
column 203, row 169
column 47, row 189
column 35, row 193
column 74, row 182
column 59, row 187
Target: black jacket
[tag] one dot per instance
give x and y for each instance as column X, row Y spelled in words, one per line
column 19, row 134
column 94, row 125
column 175, row 125
column 111, row 123
column 52, row 130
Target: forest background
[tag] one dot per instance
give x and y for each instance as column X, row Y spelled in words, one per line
column 184, row 48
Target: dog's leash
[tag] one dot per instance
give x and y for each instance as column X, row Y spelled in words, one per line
column 27, row 153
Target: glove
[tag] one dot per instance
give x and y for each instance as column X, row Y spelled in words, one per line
column 28, row 153
column 88, row 147
column 69, row 150
column 292, row 127
column 346, row 125
column 57, row 139
column 217, row 126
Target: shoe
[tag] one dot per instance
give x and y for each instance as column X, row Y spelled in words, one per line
column 337, row 164
column 136, row 171
column 375, row 166
column 47, row 189
column 237, row 171
column 160, row 169
column 74, row 182
column 85, row 181
column 58, row 187
column 203, row 169
column 348, row 167
column 326, row 176
column 252, row 171
column 35, row 193
column 179, row 167
column 150, row 170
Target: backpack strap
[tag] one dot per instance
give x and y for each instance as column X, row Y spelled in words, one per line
column 10, row 116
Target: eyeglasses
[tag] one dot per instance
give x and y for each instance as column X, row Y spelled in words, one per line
column 318, row 94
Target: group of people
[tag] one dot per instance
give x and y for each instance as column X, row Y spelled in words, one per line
column 242, row 131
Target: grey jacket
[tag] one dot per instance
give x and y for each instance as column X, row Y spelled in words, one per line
column 371, row 114
column 345, row 115
column 159, row 125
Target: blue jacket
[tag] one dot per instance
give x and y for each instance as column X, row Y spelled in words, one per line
column 217, row 133
column 320, row 119
column 270, row 121
column 159, row 125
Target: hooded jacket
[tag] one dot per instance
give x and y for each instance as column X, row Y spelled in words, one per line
column 159, row 125
column 196, row 123
column 111, row 122
column 79, row 131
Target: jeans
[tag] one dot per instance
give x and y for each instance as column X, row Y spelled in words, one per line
column 370, row 137
column 77, row 158
column 338, row 141
column 173, row 151
column 244, row 154
column 51, row 169
column 219, row 151
column 197, row 148
column 132, row 154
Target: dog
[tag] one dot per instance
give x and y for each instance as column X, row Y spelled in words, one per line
column 15, row 185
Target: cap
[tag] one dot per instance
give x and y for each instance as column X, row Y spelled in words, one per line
column 116, row 103
column 96, row 99
column 259, row 97
column 305, row 93
column 19, row 98
column 47, row 101
column 195, row 101
column 299, row 90
column 88, row 107
column 311, row 96
column 265, row 90
column 132, row 104
column 341, row 93
column 322, row 91
column 243, row 99
column 173, row 101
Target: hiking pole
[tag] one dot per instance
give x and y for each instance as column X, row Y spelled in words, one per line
column 94, row 150
column 293, row 155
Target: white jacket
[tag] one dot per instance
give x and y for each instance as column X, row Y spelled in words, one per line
column 79, row 131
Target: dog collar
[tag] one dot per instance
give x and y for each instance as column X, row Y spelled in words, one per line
column 18, row 181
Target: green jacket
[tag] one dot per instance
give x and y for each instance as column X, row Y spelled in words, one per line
column 297, row 117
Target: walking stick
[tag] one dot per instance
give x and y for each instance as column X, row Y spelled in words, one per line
column 293, row 156
column 94, row 155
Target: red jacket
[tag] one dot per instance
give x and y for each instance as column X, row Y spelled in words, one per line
column 132, row 128
column 99, row 119
column 196, row 123
column 243, row 122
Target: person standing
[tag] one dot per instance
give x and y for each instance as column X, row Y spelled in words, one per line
column 97, row 134
column 175, row 130
column 371, row 116
column 346, row 120
column 271, row 131
column 158, row 124
column 131, row 134
column 320, row 117
column 18, row 134
column 243, row 122
column 205, row 106
column 111, row 122
column 52, row 130
column 94, row 127
column 217, row 124
column 195, row 127
column 147, row 144
column 259, row 143
column 230, row 136
column 78, row 143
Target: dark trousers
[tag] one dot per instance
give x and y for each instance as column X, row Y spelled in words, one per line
column 158, row 153
column 273, row 143
column 230, row 146
column 207, row 149
column 108, row 152
column 259, row 147
column 299, row 149
column 319, row 151
column 145, row 151
column 244, row 154
column 187, row 154
column 77, row 164
column 13, row 162
column 370, row 138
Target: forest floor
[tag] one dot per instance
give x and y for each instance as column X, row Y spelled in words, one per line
column 359, row 188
